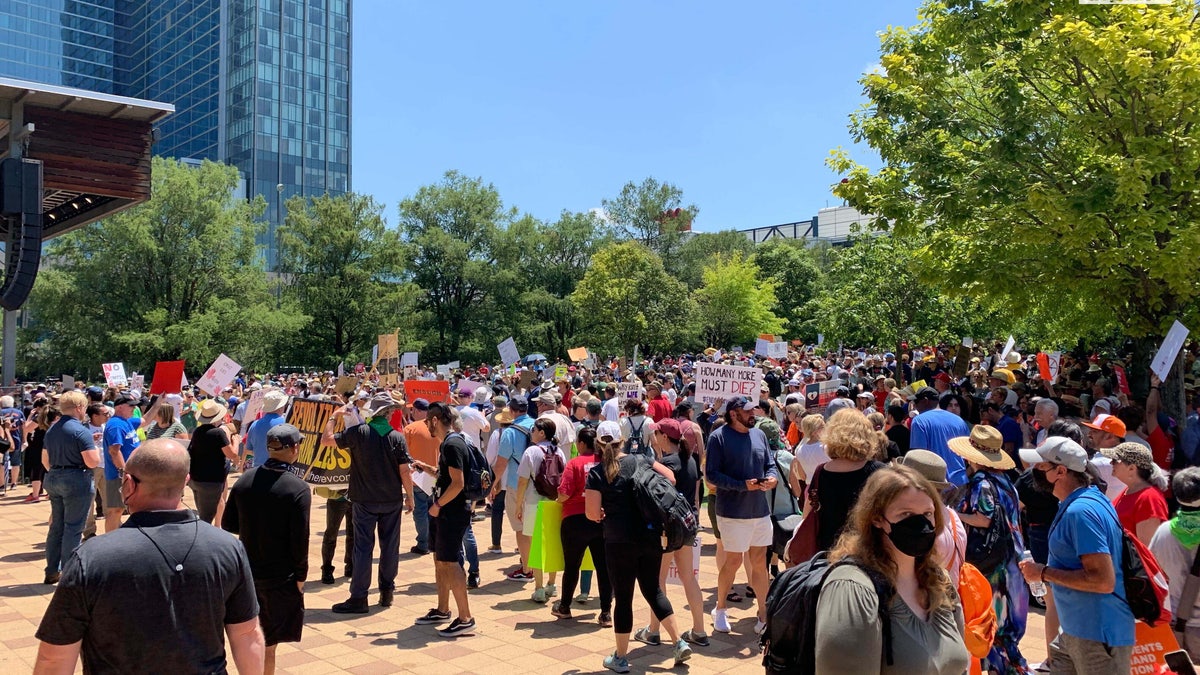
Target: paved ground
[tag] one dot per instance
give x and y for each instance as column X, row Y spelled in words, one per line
column 512, row 630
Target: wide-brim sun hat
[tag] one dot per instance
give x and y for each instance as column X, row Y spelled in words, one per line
column 985, row 446
column 211, row 411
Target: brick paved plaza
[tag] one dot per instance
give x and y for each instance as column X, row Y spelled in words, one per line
column 514, row 634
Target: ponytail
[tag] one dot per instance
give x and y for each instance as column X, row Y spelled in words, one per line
column 609, row 456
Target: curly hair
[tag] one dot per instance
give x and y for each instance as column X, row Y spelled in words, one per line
column 810, row 425
column 864, row 541
column 849, row 435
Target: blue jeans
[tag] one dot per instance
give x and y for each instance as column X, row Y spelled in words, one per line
column 71, row 492
column 470, row 550
column 420, row 517
column 368, row 518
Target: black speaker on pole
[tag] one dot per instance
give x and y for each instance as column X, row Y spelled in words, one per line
column 21, row 205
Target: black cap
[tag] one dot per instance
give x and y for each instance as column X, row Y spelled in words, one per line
column 927, row 394
column 284, row 435
column 518, row 403
column 124, row 399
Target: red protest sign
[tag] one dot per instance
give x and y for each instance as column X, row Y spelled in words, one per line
column 1122, row 379
column 1043, row 361
column 168, row 376
column 430, row 390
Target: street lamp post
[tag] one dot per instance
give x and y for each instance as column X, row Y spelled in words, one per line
column 275, row 243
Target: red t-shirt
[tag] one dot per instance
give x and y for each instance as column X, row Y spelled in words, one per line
column 659, row 409
column 573, row 479
column 1140, row 506
column 880, row 399
column 1160, row 447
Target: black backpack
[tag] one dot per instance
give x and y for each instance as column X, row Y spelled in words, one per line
column 662, row 506
column 477, row 475
column 636, row 445
column 790, row 639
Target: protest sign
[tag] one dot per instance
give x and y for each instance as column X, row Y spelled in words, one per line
column 526, row 380
column 454, row 365
column 673, row 569
column 137, row 382
column 114, row 374
column 253, row 407
column 820, row 339
column 387, row 359
column 469, row 385
column 1150, row 646
column 1122, row 379
column 409, row 359
column 318, row 464
column 508, row 352
column 430, row 390
column 360, row 368
column 167, row 377
column 346, row 385
column 718, row 381
column 444, row 370
column 817, row 395
column 629, row 390
column 962, row 361
column 578, row 354
column 219, row 375
column 777, row 350
column 560, row 372
column 411, row 372
column 341, row 371
column 968, row 342
column 1165, row 358
column 374, row 355
column 762, row 347
column 68, row 383
column 1008, row 347
column 1055, row 360
column 1043, row 363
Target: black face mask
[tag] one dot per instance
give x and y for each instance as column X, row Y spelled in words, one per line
column 914, row 536
column 1039, row 481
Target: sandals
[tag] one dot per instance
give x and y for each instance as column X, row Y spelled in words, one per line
column 734, row 596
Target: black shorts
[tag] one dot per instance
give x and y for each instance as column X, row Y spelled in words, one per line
column 280, row 610
column 447, row 530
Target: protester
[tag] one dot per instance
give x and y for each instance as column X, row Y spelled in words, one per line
column 541, row 449
column 892, row 532
column 337, row 508
column 161, row 593
column 273, row 401
column 579, row 534
column 951, row 543
column 932, row 430
column 636, row 428
column 212, row 453
column 120, row 440
column 1084, row 568
column 269, row 509
column 1174, row 546
column 1141, row 506
column 424, row 448
column 35, row 466
column 165, row 425
column 380, row 485
column 503, row 419
column 849, row 441
column 513, row 443
column 811, row 452
column 70, row 456
column 632, row 545
column 990, row 509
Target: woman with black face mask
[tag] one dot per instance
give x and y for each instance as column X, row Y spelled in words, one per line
column 891, row 534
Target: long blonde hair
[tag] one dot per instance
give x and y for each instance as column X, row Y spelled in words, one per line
column 610, row 454
column 864, row 541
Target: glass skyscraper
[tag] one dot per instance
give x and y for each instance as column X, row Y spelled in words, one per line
column 261, row 84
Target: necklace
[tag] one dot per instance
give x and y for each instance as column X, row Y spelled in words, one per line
column 177, row 566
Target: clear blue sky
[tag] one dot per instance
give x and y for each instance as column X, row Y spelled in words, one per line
column 559, row 104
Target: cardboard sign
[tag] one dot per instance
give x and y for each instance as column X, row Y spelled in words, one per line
column 762, row 347
column 1165, row 358
column 430, row 390
column 318, row 464
column 114, row 374
column 578, row 354
column 1122, row 379
column 68, row 383
column 817, row 395
column 673, row 569
column 508, row 352
column 626, row 390
column 1150, row 645
column 526, row 379
column 962, row 361
column 718, row 381
column 345, row 385
column 219, row 375
column 167, row 377
column 1008, row 347
column 253, row 407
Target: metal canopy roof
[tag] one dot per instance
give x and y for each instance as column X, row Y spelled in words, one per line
column 82, row 101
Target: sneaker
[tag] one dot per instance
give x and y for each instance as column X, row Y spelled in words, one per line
column 582, row 598
column 52, row 579
column 605, row 619
column 495, row 549
column 760, row 627
column 31, row 499
column 457, row 627
column 351, row 606
column 417, row 550
column 720, row 621
column 557, row 609
column 518, row 575
column 644, row 635
column 694, row 638
column 327, row 577
column 432, row 617
column 551, row 590
column 478, row 518
column 385, row 596
column 472, row 581
column 682, row 652
column 617, row 664
column 539, row 595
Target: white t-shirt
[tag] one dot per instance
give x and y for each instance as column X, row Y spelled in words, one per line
column 1176, row 562
column 611, row 410
column 531, row 462
column 473, row 423
column 493, row 448
column 810, row 456
column 564, row 430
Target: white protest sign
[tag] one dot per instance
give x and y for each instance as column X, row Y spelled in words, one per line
column 968, row 342
column 762, row 347
column 1008, row 347
column 409, row 359
column 68, row 383
column 673, row 570
column 777, row 350
column 137, row 382
column 1165, row 358
column 114, row 374
column 219, row 375
column 820, row 339
column 444, row 369
column 508, row 352
column 341, row 371
column 454, row 365
column 629, row 390
column 374, row 355
column 253, row 407
column 1055, row 359
column 718, row 381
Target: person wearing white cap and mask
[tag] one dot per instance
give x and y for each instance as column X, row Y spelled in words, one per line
column 1084, row 567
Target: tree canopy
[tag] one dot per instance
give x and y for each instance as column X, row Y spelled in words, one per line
column 735, row 303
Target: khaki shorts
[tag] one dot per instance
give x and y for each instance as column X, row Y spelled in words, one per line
column 110, row 493
column 510, row 510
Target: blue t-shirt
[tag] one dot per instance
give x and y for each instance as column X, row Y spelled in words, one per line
column 932, row 431
column 512, row 447
column 1010, row 429
column 731, row 459
column 1087, row 523
column 122, row 432
column 19, row 417
column 256, row 436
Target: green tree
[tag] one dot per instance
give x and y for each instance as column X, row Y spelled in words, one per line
column 342, row 267
column 455, row 235
column 791, row 267
column 178, row 277
column 697, row 250
column 646, row 213
column 735, row 303
column 1048, row 150
column 629, row 300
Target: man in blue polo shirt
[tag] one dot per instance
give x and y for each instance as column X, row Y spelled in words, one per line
column 273, row 403
column 932, row 430
column 120, row 440
column 1084, row 566
column 513, row 442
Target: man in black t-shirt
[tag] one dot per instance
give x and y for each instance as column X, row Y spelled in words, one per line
column 449, row 518
column 127, row 600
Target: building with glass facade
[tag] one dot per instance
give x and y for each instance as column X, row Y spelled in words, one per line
column 261, row 84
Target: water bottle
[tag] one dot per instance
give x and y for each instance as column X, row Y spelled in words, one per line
column 1037, row 588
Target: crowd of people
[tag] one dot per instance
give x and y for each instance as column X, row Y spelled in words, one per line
column 944, row 509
